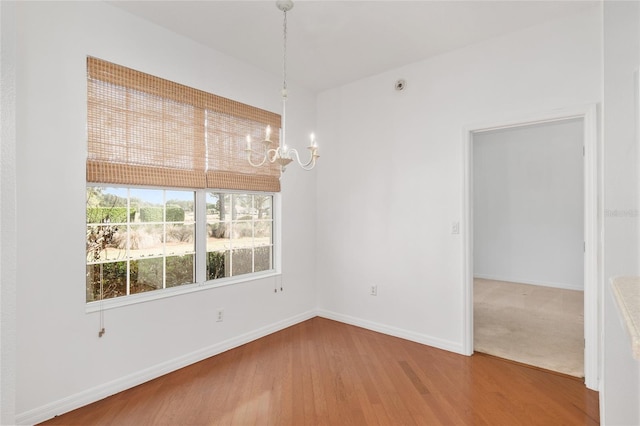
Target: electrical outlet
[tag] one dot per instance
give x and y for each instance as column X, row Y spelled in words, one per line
column 220, row 316
column 374, row 290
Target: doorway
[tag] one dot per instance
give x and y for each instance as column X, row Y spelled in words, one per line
column 528, row 244
column 515, row 266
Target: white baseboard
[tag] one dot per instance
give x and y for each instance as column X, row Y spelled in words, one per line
column 565, row 286
column 97, row 393
column 446, row 345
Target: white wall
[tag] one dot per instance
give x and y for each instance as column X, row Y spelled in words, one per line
column 528, row 204
column 620, row 393
column 7, row 213
column 390, row 182
column 61, row 362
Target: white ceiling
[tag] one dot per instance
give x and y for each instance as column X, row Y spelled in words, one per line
column 335, row 42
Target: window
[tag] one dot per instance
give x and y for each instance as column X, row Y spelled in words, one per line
column 171, row 199
column 141, row 239
column 239, row 234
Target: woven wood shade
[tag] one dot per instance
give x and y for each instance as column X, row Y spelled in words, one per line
column 145, row 130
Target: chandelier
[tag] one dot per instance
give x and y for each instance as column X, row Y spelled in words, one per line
column 283, row 155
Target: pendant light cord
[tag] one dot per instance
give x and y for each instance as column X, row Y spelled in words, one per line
column 101, row 331
column 283, row 124
column 284, row 52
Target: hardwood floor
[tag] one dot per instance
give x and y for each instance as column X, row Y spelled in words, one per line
column 322, row 372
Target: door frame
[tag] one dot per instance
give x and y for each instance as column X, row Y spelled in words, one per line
column 592, row 260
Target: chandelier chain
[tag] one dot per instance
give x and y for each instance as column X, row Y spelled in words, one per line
column 284, row 51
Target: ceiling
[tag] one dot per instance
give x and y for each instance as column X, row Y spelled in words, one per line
column 331, row 43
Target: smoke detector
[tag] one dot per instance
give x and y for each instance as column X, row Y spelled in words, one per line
column 400, row 85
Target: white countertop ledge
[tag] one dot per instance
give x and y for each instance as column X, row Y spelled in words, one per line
column 627, row 295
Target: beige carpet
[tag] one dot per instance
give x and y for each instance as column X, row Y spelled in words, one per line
column 535, row 325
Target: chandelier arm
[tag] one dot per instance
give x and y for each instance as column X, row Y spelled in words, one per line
column 274, row 153
column 251, row 151
column 308, row 165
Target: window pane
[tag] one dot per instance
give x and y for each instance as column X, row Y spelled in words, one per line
column 222, row 206
column 145, row 275
column 106, row 205
column 180, row 239
column 216, row 261
column 263, row 232
column 242, row 206
column 112, row 276
column 218, row 236
column 226, row 210
column 146, row 240
column 180, row 206
column 106, row 242
column 242, row 262
column 180, row 270
column 218, row 213
column 213, row 206
column 219, row 231
column 262, row 206
column 243, row 233
column 146, row 205
column 262, row 259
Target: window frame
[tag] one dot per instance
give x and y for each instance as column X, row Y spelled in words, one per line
column 200, row 248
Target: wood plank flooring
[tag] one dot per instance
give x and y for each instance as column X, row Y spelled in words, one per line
column 322, row 372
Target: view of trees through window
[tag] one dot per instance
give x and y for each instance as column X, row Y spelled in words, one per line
column 141, row 240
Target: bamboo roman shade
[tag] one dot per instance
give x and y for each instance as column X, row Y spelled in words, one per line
column 145, row 130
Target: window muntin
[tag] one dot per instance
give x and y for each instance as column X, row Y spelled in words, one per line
column 141, row 239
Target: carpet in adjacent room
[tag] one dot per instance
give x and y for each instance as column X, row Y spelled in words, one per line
column 535, row 325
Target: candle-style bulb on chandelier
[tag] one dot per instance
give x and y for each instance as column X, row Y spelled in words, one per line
column 283, row 155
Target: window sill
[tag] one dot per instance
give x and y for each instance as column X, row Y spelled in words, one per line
column 133, row 299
